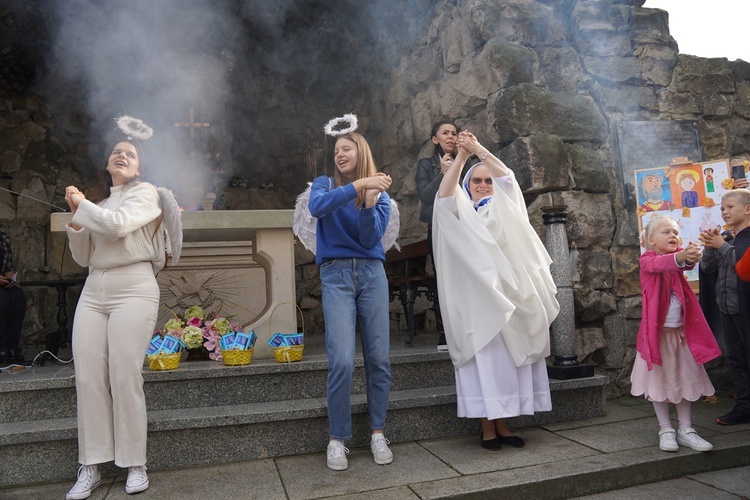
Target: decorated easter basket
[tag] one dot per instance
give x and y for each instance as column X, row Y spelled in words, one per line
column 288, row 354
column 163, row 361
column 235, row 357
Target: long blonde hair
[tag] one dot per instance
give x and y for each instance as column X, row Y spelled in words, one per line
column 365, row 163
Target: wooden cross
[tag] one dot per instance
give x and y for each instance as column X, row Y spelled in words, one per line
column 192, row 125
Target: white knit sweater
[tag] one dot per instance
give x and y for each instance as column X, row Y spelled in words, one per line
column 119, row 230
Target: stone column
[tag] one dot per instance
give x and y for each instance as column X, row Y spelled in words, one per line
column 563, row 331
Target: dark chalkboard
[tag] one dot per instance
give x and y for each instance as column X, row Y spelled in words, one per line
column 653, row 144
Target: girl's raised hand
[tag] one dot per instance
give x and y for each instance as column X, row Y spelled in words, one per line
column 379, row 181
column 693, row 253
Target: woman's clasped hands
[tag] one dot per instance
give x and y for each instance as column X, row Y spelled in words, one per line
column 469, row 143
column 73, row 196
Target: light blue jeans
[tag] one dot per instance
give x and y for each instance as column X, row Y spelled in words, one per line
column 356, row 290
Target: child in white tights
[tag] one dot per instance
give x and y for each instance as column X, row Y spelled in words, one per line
column 674, row 339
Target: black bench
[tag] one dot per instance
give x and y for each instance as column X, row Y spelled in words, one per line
column 407, row 279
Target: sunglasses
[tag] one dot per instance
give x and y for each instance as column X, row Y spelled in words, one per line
column 477, row 181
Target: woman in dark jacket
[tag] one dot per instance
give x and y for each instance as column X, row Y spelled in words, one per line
column 430, row 172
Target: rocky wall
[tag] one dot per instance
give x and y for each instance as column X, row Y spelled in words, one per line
column 542, row 83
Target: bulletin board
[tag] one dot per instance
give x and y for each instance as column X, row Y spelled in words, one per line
column 688, row 194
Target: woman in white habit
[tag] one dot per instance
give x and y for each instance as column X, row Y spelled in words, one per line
column 494, row 272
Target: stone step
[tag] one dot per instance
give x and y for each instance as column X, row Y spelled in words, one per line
column 206, row 413
column 597, row 474
column 209, row 383
column 46, row 450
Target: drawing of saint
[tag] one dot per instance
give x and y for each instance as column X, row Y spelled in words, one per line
column 653, row 193
column 708, row 175
column 687, row 179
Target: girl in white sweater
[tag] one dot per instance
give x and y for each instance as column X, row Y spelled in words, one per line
column 121, row 240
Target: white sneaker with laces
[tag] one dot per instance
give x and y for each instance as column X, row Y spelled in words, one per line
column 336, row 456
column 380, row 451
column 688, row 437
column 88, row 479
column 137, row 479
column 667, row 441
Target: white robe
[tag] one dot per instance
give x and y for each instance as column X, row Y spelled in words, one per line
column 497, row 299
column 493, row 275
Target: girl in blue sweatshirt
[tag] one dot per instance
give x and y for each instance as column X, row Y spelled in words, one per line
column 352, row 211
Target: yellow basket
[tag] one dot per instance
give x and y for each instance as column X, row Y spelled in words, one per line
column 288, row 353
column 163, row 361
column 234, row 357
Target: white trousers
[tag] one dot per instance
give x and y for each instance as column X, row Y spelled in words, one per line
column 113, row 324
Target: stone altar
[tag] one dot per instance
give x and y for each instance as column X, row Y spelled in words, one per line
column 237, row 262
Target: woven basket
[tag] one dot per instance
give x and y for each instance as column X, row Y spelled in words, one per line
column 288, row 353
column 163, row 361
column 235, row 357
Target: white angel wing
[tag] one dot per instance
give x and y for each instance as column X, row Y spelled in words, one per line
column 172, row 222
column 394, row 227
column 304, row 224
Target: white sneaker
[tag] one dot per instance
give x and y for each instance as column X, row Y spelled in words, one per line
column 380, row 451
column 691, row 439
column 137, row 479
column 667, row 441
column 336, row 456
column 88, row 479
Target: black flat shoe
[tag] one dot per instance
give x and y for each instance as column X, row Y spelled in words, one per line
column 491, row 444
column 514, row 441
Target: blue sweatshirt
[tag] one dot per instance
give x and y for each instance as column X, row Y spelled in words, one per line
column 343, row 231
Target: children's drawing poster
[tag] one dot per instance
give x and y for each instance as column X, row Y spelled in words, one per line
column 689, row 194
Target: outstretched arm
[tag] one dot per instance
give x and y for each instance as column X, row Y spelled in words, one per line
column 450, row 178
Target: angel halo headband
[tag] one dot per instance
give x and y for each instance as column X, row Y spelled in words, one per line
column 133, row 128
column 348, row 118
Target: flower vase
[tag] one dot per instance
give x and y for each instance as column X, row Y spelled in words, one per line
column 197, row 354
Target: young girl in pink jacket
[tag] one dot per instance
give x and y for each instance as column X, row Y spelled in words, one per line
column 674, row 339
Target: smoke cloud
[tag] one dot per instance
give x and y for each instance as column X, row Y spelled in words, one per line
column 153, row 60
column 156, row 60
